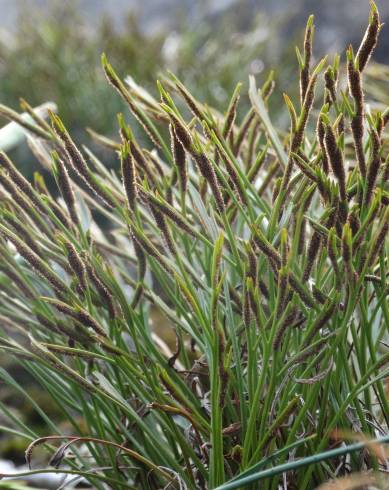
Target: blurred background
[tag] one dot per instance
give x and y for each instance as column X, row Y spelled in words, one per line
column 50, row 51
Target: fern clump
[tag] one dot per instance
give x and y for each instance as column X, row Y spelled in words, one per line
column 264, row 250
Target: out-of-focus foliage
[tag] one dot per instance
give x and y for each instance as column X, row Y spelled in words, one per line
column 377, row 84
column 58, row 59
column 55, row 56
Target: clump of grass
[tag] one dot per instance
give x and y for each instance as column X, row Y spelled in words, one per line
column 265, row 251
